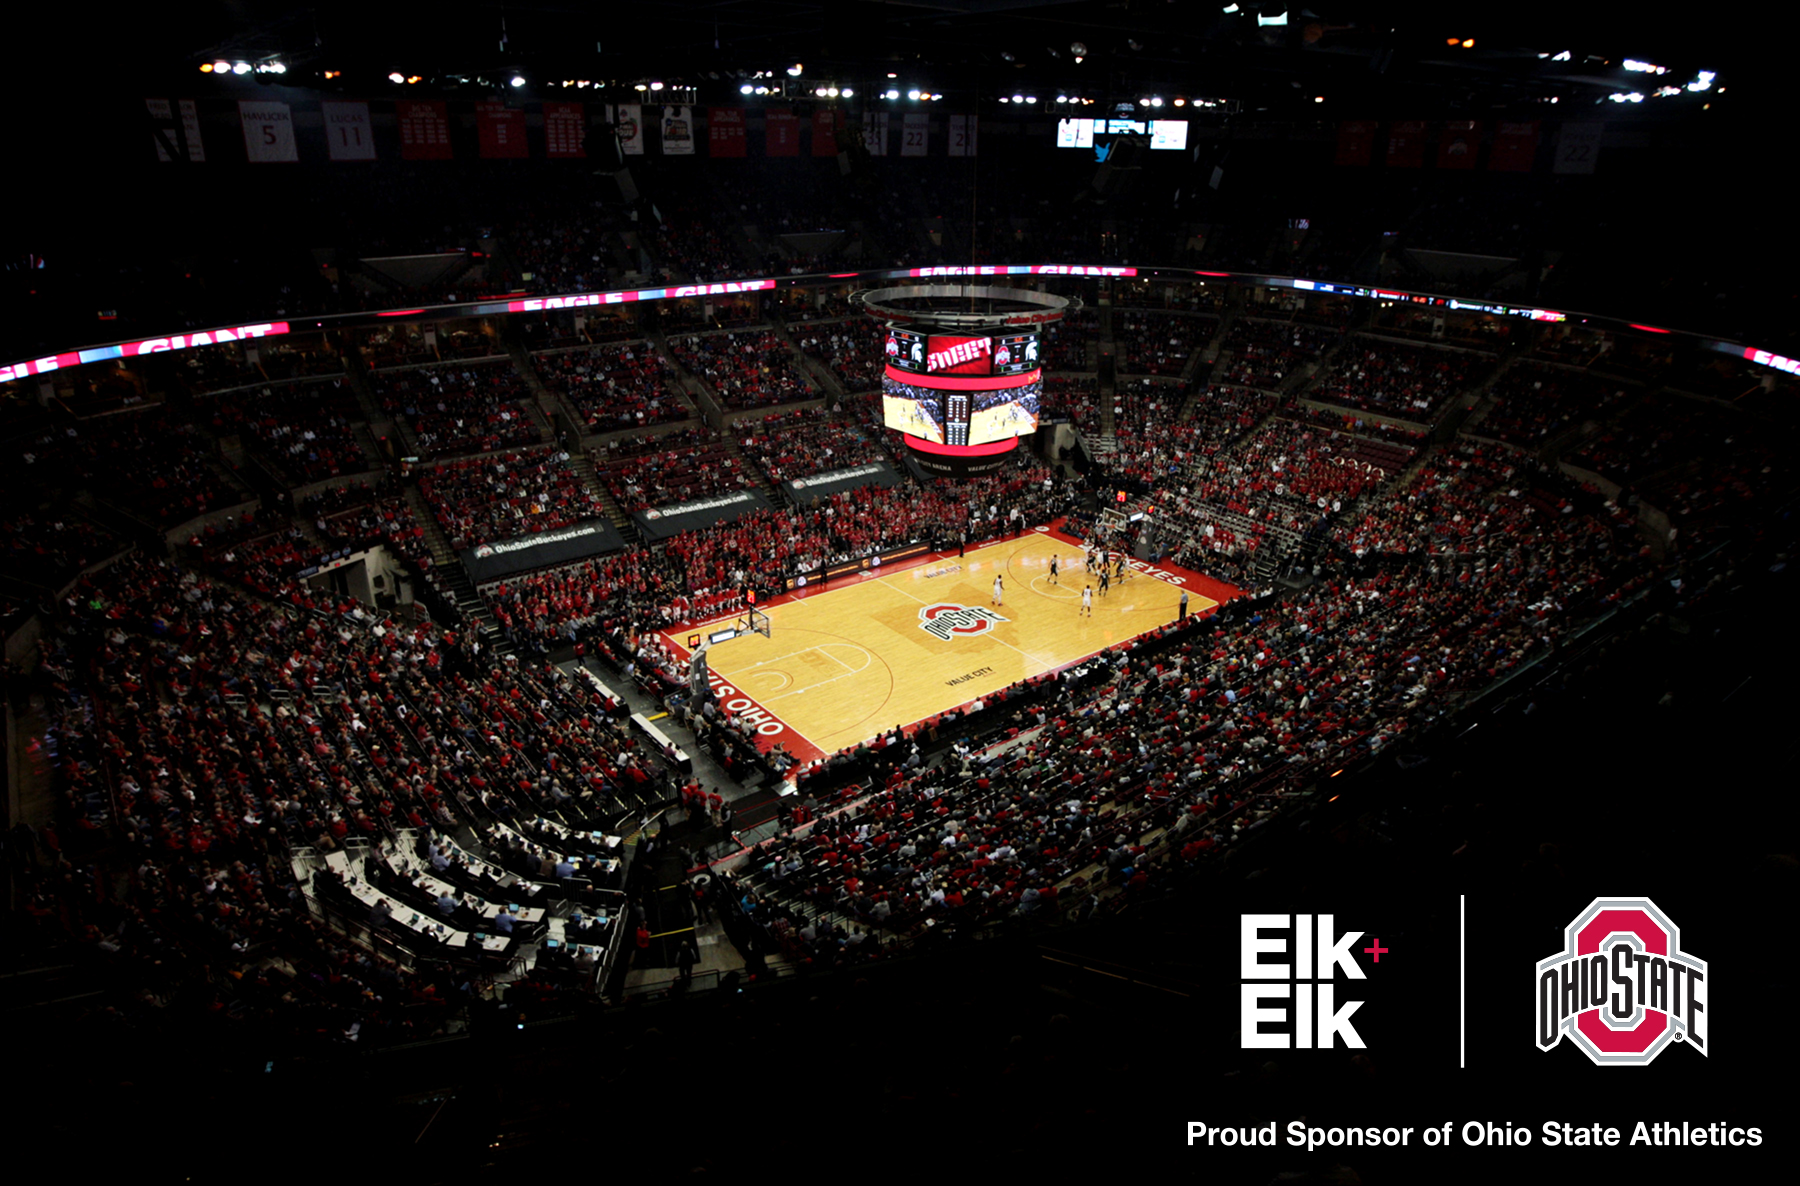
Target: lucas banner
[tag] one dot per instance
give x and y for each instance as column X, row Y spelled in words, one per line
column 1457, row 144
column 182, row 135
column 725, row 132
column 782, row 132
column 631, row 129
column 501, row 131
column 962, row 135
column 825, row 123
column 678, row 131
column 424, row 130
column 348, row 133
column 268, row 131
column 1515, row 147
column 565, row 129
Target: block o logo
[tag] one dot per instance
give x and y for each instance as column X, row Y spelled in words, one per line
column 946, row 620
column 1622, row 989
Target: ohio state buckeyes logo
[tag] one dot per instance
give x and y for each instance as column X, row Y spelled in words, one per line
column 1622, row 988
column 946, row 620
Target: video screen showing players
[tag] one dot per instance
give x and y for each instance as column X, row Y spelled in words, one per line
column 1010, row 412
column 915, row 411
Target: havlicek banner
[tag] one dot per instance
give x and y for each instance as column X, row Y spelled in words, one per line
column 268, row 131
column 349, row 135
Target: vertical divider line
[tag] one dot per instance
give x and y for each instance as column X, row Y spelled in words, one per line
column 1462, row 982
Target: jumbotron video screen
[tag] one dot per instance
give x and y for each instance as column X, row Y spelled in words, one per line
column 962, row 390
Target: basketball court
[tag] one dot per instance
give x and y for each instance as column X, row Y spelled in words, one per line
column 900, row 645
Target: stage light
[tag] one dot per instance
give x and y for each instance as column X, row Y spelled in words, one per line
column 831, row 92
column 1018, row 98
column 640, row 87
column 891, row 94
column 1062, row 98
column 221, row 67
column 241, row 68
column 847, row 92
column 656, row 86
column 518, row 80
column 820, row 92
column 206, row 67
column 1229, row 9
column 762, row 90
column 1156, row 101
column 912, row 95
column 1452, row 41
column 891, row 74
column 1702, row 81
column 1468, row 43
column 1180, row 102
column 1031, row 98
column 1279, row 18
column 1004, row 99
column 1143, row 102
column 414, row 79
column 794, row 70
column 1318, row 98
column 396, row 77
column 745, row 89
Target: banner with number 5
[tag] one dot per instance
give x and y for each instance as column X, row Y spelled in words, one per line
column 348, row 132
column 268, row 131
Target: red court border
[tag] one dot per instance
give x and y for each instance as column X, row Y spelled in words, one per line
column 791, row 738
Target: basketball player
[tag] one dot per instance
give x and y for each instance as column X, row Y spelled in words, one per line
column 1087, row 600
column 1053, row 570
column 1105, row 580
column 998, row 590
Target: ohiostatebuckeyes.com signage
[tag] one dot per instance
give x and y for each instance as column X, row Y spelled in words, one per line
column 663, row 522
column 500, row 558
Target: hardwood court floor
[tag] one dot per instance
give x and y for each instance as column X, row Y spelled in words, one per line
column 848, row 662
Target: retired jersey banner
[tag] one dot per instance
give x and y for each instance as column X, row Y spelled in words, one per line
column 915, row 134
column 1515, row 147
column 825, row 123
column 631, row 129
column 781, row 130
column 424, row 130
column 268, row 131
column 500, row 131
column 678, row 131
column 182, row 133
column 725, row 132
column 565, row 131
column 1356, row 142
column 962, row 135
column 1406, row 144
column 349, row 135
column 1577, row 148
column 875, row 132
column 1457, row 144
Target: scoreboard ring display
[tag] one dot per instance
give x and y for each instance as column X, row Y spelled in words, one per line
column 961, row 380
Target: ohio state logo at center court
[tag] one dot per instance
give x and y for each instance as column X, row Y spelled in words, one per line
column 946, row 620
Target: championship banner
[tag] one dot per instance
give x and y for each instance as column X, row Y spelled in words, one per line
column 183, row 134
column 962, row 135
column 725, row 132
column 268, row 131
column 631, row 129
column 491, row 561
column 782, row 132
column 424, row 130
column 876, row 473
column 1356, row 142
column 915, row 135
column 348, row 133
column 1577, row 148
column 1406, row 144
column 663, row 522
column 1515, row 148
column 875, row 132
column 825, row 123
column 678, row 131
column 565, row 130
column 500, row 132
column 1457, row 144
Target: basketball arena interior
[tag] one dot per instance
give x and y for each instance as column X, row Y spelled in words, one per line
column 739, row 585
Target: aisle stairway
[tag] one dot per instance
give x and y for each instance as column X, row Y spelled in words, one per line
column 452, row 580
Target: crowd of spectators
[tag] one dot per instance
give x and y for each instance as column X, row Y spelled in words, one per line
column 361, row 512
column 1535, row 401
column 483, row 499
column 1410, row 382
column 454, row 409
column 626, row 385
column 1158, row 343
column 689, row 471
column 745, row 369
column 808, row 441
column 146, row 461
column 308, row 431
column 850, row 350
column 1263, row 353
